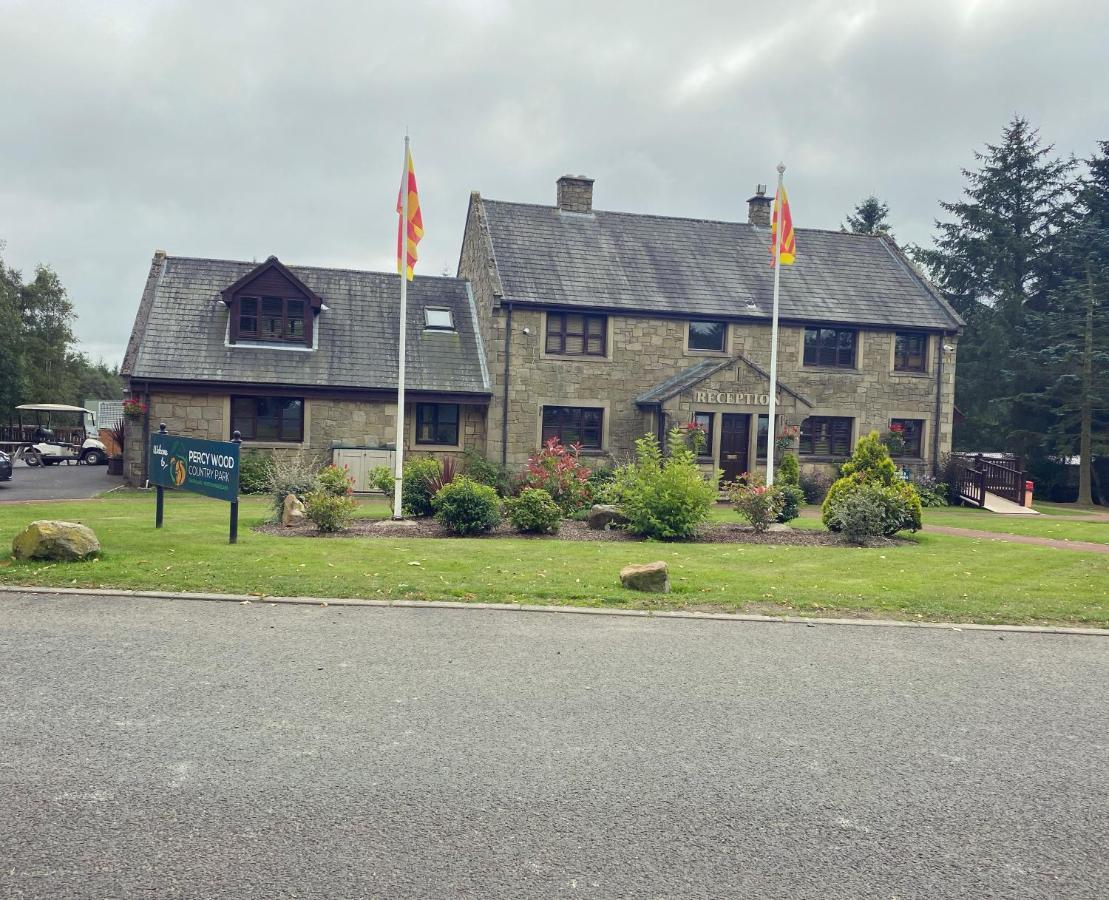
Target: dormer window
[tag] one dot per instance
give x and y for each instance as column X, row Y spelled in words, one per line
column 271, row 319
column 438, row 319
column 271, row 305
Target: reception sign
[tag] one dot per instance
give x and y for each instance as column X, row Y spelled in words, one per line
column 189, row 464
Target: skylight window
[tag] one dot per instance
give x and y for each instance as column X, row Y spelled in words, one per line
column 438, row 319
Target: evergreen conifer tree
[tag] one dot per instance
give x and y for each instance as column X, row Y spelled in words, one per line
column 991, row 260
column 1068, row 333
column 869, row 218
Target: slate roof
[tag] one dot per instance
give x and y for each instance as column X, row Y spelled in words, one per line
column 181, row 332
column 692, row 267
column 697, row 373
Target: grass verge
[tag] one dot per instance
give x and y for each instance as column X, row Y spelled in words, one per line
column 934, row 577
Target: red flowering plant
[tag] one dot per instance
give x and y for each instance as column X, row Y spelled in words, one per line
column 335, row 481
column 894, row 439
column 134, row 409
column 695, row 436
column 786, row 437
column 558, row 470
column 758, row 504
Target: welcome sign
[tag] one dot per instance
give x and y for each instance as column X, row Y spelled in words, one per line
column 189, row 464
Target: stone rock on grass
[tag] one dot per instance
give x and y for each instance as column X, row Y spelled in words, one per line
column 603, row 516
column 292, row 513
column 49, row 539
column 652, row 577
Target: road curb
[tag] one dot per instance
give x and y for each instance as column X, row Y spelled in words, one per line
column 541, row 608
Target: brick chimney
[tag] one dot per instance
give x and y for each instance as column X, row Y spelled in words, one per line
column 575, row 193
column 758, row 208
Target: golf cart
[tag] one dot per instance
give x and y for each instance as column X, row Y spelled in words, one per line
column 46, row 443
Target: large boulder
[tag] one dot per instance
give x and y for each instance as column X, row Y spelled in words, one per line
column 48, row 539
column 652, row 577
column 292, row 512
column 603, row 516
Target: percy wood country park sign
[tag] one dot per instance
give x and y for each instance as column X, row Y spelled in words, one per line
column 203, row 467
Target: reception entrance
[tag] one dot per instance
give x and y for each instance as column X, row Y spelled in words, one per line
column 735, row 431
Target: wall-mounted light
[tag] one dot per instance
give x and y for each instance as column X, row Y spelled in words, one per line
column 527, row 331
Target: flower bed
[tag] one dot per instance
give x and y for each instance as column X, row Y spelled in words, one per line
column 571, row 530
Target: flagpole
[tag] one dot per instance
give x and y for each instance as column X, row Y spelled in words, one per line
column 402, row 260
column 773, row 393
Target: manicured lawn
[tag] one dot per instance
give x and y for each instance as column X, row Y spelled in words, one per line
column 1069, row 509
column 1064, row 529
column 934, row 577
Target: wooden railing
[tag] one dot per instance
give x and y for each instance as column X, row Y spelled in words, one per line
column 975, row 475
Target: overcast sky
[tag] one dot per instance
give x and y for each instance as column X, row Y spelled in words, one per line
column 236, row 130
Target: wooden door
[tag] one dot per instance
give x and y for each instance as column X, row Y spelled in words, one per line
column 735, row 430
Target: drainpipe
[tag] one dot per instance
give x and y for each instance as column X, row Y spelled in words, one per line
column 145, row 439
column 504, row 402
column 660, row 425
column 939, row 406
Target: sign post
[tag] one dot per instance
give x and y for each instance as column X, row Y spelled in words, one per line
column 203, row 467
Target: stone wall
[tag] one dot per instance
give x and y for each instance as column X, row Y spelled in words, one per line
column 328, row 423
column 646, row 351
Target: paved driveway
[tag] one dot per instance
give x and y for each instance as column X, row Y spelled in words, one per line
column 156, row 748
column 63, row 482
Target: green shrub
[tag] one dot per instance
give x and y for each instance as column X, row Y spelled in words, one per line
column 255, row 470
column 789, row 472
column 558, row 470
column 870, row 464
column 861, row 513
column 477, row 468
column 533, row 511
column 329, row 512
column 758, row 504
column 664, row 499
column 416, row 490
column 815, row 483
column 466, row 507
column 336, row 481
column 793, row 498
column 292, row 473
column 932, row 491
column 899, row 501
column 381, row 478
column 871, row 459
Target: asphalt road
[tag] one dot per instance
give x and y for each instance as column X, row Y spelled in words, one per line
column 60, row 482
column 155, row 748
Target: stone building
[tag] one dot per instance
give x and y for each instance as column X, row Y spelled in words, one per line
column 303, row 360
column 600, row 326
column 566, row 321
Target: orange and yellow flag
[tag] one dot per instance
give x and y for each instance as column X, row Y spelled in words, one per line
column 787, row 237
column 414, row 227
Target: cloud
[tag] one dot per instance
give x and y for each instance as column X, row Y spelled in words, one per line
column 244, row 129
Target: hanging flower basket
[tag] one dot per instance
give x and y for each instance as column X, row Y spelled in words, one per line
column 694, row 437
column 786, row 438
column 134, row 409
column 894, row 439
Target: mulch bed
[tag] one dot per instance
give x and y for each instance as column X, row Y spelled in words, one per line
column 716, row 533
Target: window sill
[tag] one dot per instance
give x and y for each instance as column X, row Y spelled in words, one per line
column 593, row 452
column 838, row 460
column 907, row 373
column 275, row 445
column 837, row 370
column 575, row 357
column 691, row 352
column 436, row 448
column 246, row 344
